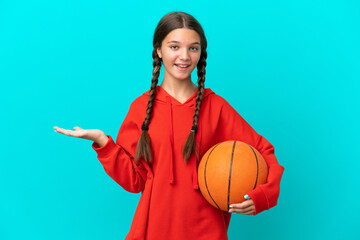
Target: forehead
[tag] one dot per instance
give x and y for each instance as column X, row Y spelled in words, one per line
column 182, row 35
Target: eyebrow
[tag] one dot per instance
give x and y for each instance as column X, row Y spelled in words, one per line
column 173, row 41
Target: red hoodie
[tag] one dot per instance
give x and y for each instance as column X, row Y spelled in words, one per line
column 171, row 205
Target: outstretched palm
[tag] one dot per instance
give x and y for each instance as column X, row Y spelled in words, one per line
column 90, row 134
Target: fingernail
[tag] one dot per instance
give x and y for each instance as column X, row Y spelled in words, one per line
column 246, row 196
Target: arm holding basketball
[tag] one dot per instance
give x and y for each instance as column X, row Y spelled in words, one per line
column 233, row 127
column 268, row 192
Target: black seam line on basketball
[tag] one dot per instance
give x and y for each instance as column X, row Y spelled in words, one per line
column 257, row 167
column 231, row 163
column 205, row 176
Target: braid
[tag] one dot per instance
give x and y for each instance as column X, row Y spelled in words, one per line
column 143, row 148
column 189, row 146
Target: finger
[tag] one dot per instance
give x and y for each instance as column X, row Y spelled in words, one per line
column 65, row 131
column 242, row 209
column 247, row 209
column 59, row 130
column 77, row 128
column 242, row 205
column 68, row 132
column 250, row 212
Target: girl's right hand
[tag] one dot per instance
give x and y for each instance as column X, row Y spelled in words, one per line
column 95, row 135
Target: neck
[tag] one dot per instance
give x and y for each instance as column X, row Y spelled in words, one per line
column 179, row 88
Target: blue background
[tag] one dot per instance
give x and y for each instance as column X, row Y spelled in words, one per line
column 290, row 68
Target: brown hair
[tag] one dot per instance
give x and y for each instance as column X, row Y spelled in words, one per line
column 169, row 22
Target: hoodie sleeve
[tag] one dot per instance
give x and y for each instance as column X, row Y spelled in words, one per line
column 118, row 158
column 234, row 127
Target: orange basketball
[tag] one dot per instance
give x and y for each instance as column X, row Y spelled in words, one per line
column 229, row 170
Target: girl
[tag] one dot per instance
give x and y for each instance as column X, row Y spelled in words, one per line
column 164, row 135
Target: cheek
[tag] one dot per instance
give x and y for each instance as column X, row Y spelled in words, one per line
column 196, row 58
column 169, row 57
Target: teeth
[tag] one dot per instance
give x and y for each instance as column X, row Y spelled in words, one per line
column 182, row 65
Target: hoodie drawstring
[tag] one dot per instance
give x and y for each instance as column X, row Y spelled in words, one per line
column 193, row 161
column 171, row 131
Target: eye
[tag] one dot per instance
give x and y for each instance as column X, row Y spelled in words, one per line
column 194, row 48
column 174, row 47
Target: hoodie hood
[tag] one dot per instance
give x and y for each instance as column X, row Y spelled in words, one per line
column 170, row 101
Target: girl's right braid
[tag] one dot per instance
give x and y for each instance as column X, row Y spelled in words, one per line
column 143, row 149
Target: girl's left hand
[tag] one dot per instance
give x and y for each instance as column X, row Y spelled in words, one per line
column 247, row 207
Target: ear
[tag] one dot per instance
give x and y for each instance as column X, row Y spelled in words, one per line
column 159, row 52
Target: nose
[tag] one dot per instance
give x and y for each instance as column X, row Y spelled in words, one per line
column 184, row 56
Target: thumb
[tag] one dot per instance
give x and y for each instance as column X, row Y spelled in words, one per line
column 77, row 128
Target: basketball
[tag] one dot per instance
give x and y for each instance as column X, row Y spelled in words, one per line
column 228, row 170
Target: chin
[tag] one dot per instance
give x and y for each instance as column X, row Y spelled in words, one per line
column 182, row 78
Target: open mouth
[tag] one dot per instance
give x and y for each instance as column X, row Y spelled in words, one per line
column 182, row 67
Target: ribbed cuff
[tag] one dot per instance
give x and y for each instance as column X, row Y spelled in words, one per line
column 259, row 198
column 105, row 150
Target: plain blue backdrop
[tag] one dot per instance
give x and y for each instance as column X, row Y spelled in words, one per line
column 290, row 68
